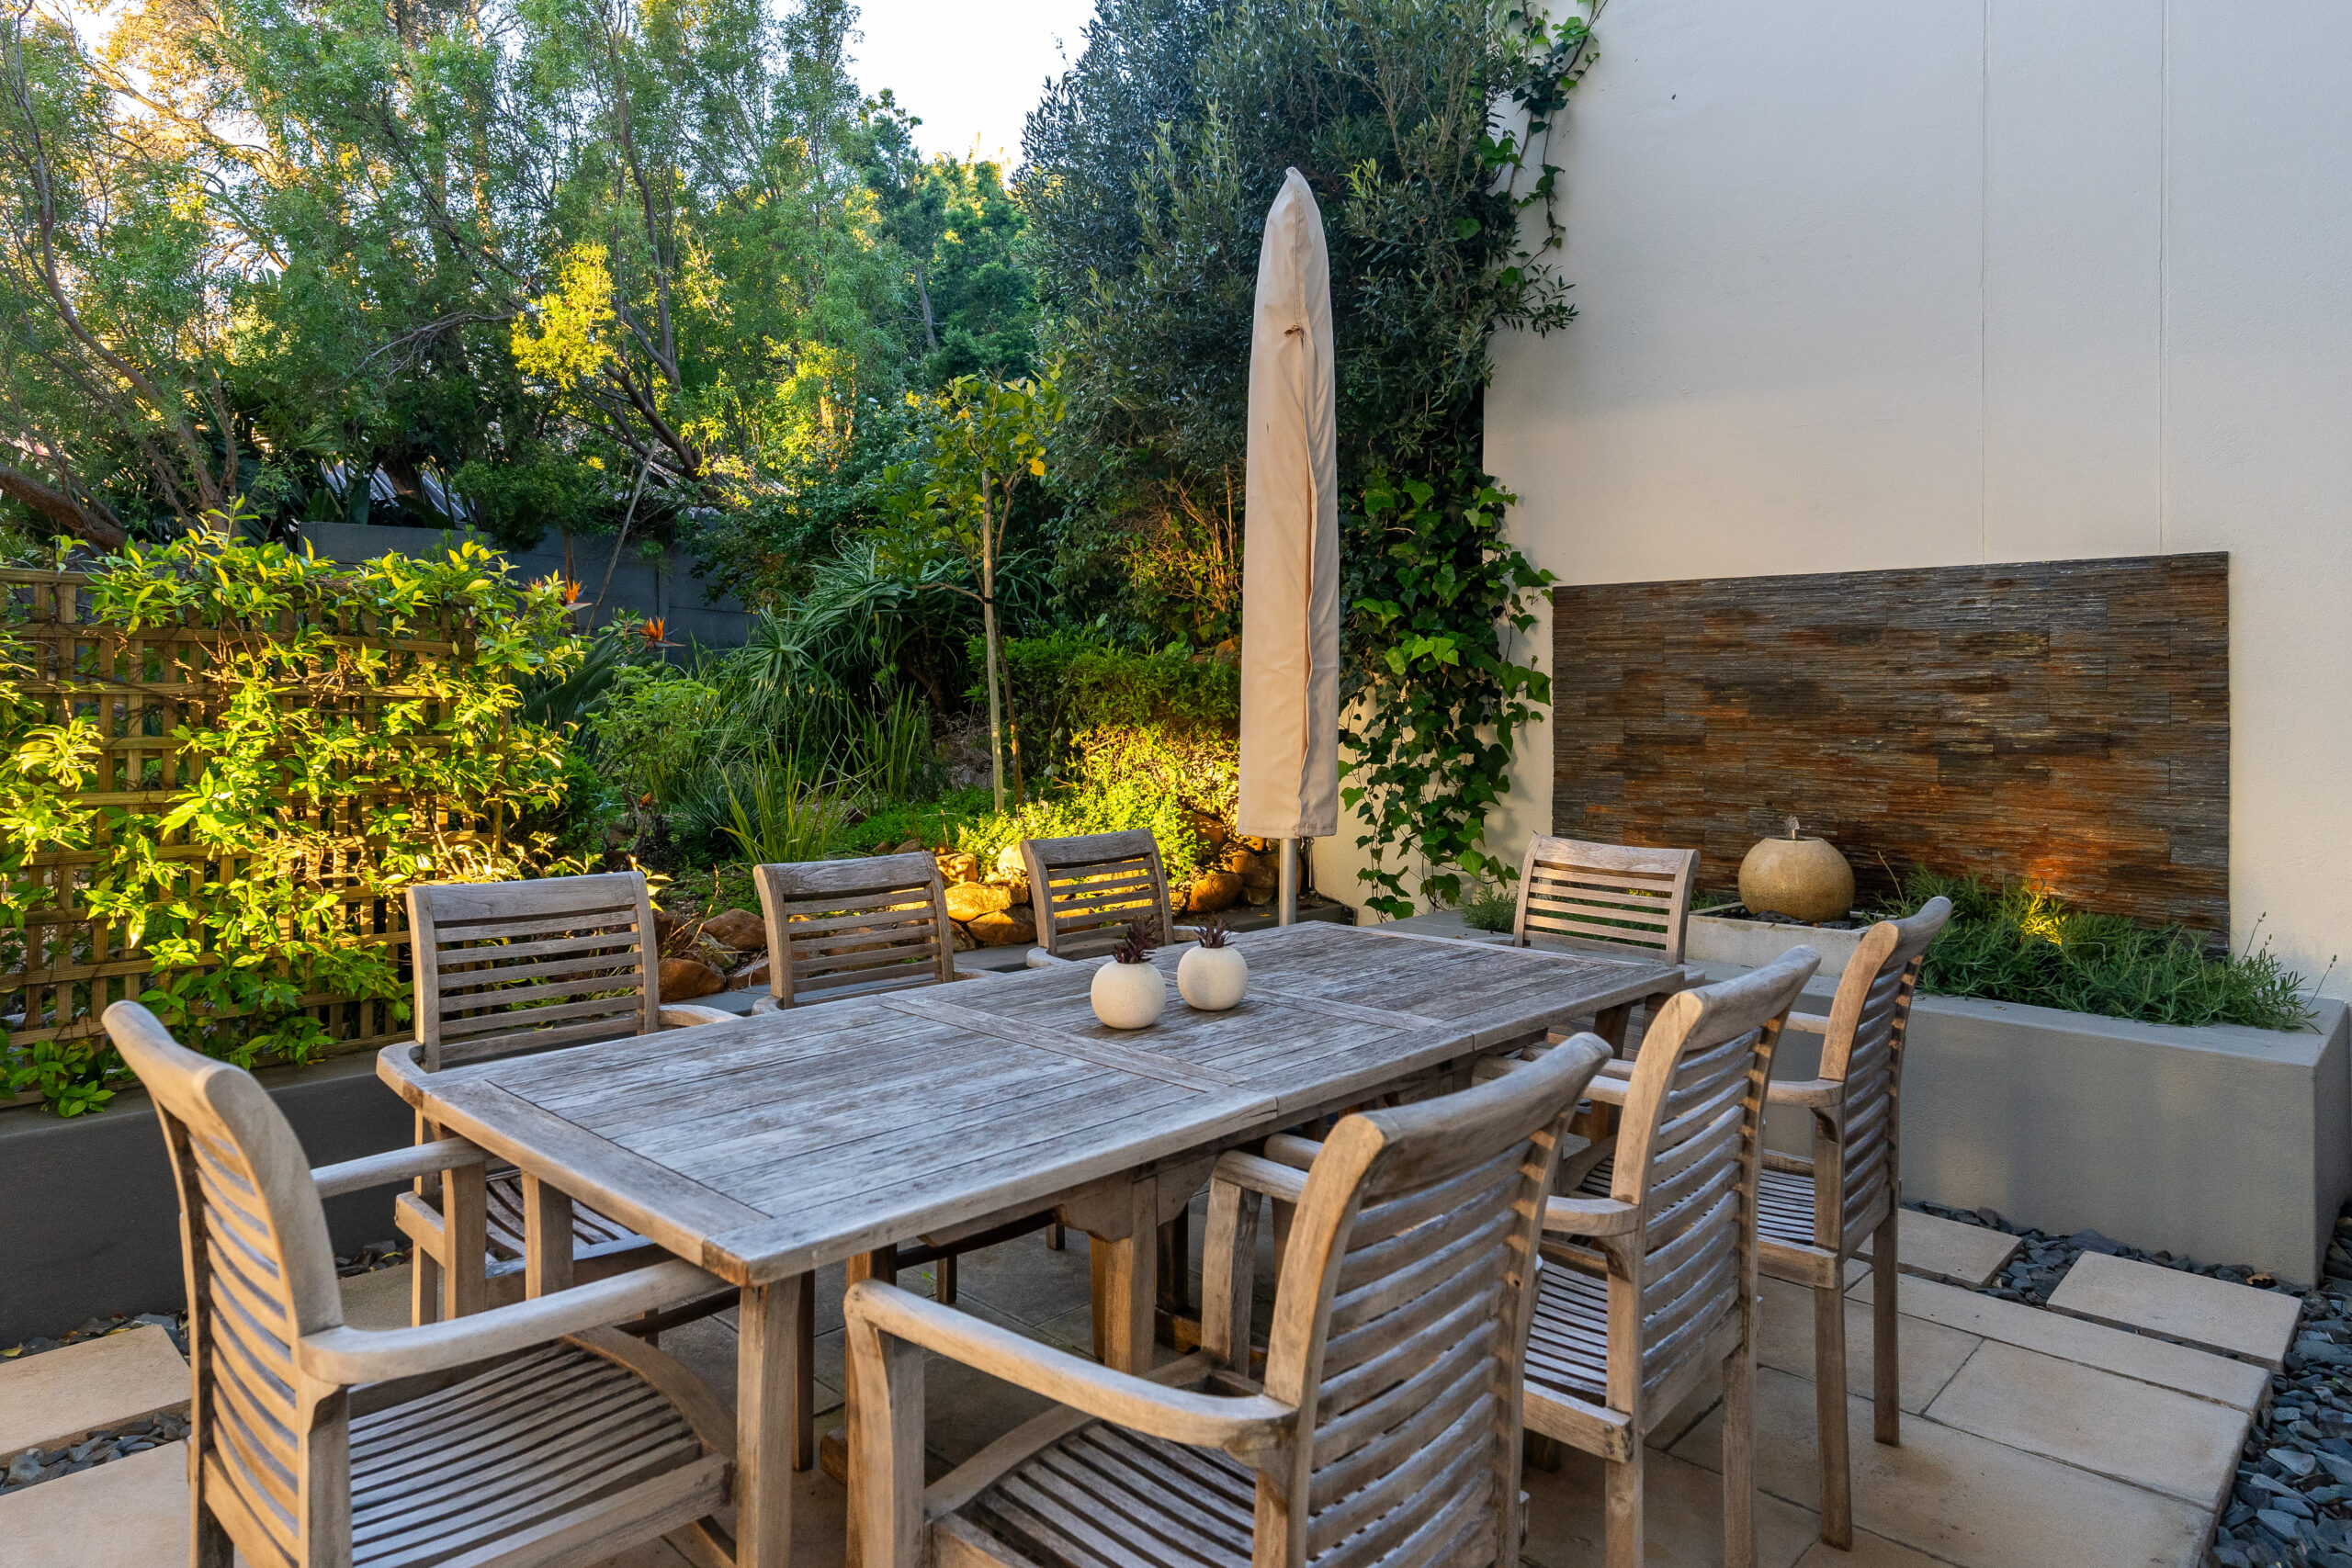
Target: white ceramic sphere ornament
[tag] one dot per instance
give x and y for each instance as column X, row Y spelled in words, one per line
column 1212, row 976
column 1127, row 992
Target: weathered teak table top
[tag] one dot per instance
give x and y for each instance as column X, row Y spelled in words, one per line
column 767, row 1146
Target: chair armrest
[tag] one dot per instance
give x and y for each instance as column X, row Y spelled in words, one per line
column 1288, row 1148
column 1817, row 1092
column 1589, row 1216
column 1606, row 1090
column 1283, row 1182
column 685, row 1015
column 395, row 1165
column 1040, row 959
column 1239, row 1424
column 1811, row 1022
column 351, row 1356
column 1184, row 933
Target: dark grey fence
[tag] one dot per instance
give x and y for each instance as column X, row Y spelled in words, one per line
column 665, row 590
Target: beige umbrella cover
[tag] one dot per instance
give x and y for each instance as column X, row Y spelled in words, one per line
column 1290, row 568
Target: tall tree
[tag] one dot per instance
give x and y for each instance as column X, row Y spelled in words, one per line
column 1150, row 166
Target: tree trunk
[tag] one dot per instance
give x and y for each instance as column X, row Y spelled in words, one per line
column 987, row 635
column 91, row 524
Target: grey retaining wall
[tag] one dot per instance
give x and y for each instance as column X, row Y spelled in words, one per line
column 667, row 590
column 89, row 1225
column 2226, row 1145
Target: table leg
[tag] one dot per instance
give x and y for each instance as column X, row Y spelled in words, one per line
column 547, row 1237
column 767, row 1380
column 1126, row 1286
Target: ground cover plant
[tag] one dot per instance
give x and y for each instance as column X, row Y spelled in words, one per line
column 2012, row 942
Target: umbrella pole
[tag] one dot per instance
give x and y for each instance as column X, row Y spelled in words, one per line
column 1286, row 896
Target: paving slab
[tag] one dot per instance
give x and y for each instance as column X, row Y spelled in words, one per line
column 1930, row 1352
column 1682, row 1522
column 378, row 1299
column 1964, row 1499
column 1946, row 1249
column 2200, row 1373
column 87, row 1385
column 2116, row 1426
column 132, row 1513
column 2196, row 1309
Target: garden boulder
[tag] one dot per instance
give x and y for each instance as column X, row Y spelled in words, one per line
column 970, row 900
column 1213, row 890
column 739, row 929
column 1016, row 927
column 956, row 866
column 683, row 979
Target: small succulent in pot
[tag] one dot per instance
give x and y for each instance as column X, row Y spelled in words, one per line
column 1128, row 993
column 1213, row 975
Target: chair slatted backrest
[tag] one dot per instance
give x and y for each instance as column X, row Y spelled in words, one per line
column 505, row 966
column 1862, row 1048
column 1689, row 1146
column 854, row 927
column 273, row 1452
column 1086, row 889
column 1613, row 895
column 1401, row 1320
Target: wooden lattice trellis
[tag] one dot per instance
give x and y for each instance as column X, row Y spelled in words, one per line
column 139, row 687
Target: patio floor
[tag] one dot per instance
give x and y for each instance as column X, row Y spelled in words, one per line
column 2030, row 1436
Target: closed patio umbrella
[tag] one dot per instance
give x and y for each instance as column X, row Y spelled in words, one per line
column 1290, row 570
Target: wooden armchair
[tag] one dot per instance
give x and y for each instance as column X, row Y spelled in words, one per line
column 1815, row 1214
column 1616, row 898
column 1386, row 1431
column 1086, row 889
column 502, row 967
column 1650, row 1277
column 851, row 928
column 529, row 1435
column 857, row 928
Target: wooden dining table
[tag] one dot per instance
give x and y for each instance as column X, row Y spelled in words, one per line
column 769, row 1147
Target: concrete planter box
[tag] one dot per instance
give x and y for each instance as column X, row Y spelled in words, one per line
column 2224, row 1144
column 1751, row 944
column 89, row 1225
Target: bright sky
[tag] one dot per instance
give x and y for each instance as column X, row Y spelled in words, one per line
column 971, row 69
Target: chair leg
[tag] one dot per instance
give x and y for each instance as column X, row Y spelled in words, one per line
column 1739, row 1458
column 804, row 1387
column 209, row 1544
column 1544, row 1453
column 943, row 1276
column 424, row 1287
column 1176, row 1263
column 1829, row 1390
column 1623, row 1501
column 1886, row 1359
column 1055, row 1238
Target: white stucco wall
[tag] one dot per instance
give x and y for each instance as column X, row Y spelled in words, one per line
column 1866, row 285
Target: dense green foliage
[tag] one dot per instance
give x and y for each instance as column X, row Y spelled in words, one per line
column 638, row 266
column 355, row 722
column 658, row 273
column 2015, row 944
column 1150, row 169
